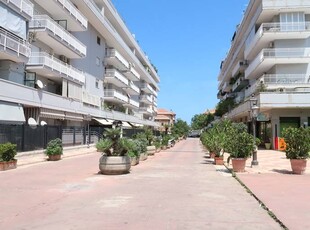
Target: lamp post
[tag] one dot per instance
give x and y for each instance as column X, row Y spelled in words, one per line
column 254, row 113
column 88, row 131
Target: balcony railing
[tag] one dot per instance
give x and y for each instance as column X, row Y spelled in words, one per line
column 44, row 21
column 277, row 53
column 115, row 94
column 113, row 53
column 15, row 44
column 134, row 103
column 134, row 87
column 44, row 59
column 146, row 98
column 91, row 99
column 280, row 3
column 285, row 79
column 146, row 87
column 24, row 6
column 113, row 73
column 73, row 11
column 146, row 109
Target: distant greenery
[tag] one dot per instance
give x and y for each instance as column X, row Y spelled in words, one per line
column 180, row 128
column 200, row 121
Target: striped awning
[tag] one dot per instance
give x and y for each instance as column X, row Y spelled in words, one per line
column 74, row 116
column 52, row 114
column 104, row 121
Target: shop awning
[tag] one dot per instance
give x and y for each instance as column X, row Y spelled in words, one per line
column 104, row 121
column 126, row 124
column 11, row 113
column 52, row 114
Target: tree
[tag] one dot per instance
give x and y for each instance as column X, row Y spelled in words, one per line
column 180, row 128
column 200, row 121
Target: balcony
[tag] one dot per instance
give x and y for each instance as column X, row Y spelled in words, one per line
column 115, row 96
column 146, row 110
column 115, row 59
column 46, row 30
column 146, row 99
column 132, row 104
column 269, row 32
column 60, row 40
column 65, row 11
column 51, row 67
column 285, row 81
column 274, row 4
column 24, row 7
column 227, row 87
column 132, row 74
column 148, row 89
column 114, row 77
column 270, row 57
column 13, row 48
column 239, row 84
column 239, row 67
column 132, row 89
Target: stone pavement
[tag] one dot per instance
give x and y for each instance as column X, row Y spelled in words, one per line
column 176, row 189
column 285, row 194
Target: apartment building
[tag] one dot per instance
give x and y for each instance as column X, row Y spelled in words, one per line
column 269, row 63
column 165, row 119
column 72, row 63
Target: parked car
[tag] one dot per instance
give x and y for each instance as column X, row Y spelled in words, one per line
column 194, row 133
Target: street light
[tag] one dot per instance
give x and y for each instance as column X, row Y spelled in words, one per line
column 254, row 113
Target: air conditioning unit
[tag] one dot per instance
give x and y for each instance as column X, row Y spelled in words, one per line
column 63, row 58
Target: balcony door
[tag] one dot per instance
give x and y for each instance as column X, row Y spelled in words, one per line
column 294, row 21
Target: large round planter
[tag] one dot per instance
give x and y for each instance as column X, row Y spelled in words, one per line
column 219, row 160
column 7, row 165
column 164, row 147
column 143, row 156
column 151, row 150
column 114, row 165
column 134, row 161
column 238, row 164
column 54, row 157
column 298, row 166
column 267, row 145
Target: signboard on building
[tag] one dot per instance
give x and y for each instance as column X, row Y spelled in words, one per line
column 262, row 117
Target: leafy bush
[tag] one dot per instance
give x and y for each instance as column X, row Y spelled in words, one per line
column 54, row 147
column 297, row 142
column 165, row 140
column 7, row 151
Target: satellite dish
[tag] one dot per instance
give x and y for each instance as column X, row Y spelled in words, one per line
column 39, row 84
column 42, row 123
column 32, row 122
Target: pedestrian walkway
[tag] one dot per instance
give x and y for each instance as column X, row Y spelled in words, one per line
column 176, row 189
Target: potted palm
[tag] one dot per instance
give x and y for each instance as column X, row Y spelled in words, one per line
column 115, row 159
column 297, row 148
column 54, row 149
column 7, row 154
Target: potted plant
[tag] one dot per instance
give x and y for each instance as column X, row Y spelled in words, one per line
column 141, row 143
column 54, row 149
column 7, row 154
column 133, row 151
column 115, row 159
column 297, row 147
column 165, row 141
column 240, row 145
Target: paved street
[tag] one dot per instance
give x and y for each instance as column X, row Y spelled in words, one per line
column 176, row 189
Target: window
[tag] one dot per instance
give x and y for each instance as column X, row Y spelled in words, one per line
column 30, row 79
column 97, row 84
column 98, row 40
column 97, row 61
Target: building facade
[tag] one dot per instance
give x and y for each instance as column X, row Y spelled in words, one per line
column 165, row 119
column 269, row 63
column 72, row 63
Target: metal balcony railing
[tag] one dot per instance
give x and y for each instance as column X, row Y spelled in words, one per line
column 114, row 93
column 44, row 21
column 285, row 79
column 14, row 43
column 44, row 59
column 116, row 74
column 24, row 6
column 73, row 11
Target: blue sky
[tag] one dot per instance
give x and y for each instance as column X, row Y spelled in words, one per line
column 186, row 41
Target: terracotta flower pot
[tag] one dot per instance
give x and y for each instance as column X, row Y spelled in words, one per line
column 6, row 165
column 54, row 157
column 212, row 155
column 238, row 164
column 219, row 160
column 298, row 166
